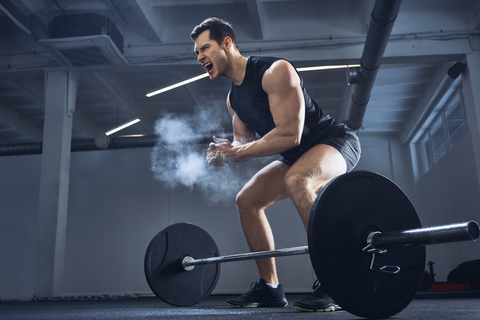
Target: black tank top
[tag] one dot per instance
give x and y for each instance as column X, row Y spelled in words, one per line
column 250, row 103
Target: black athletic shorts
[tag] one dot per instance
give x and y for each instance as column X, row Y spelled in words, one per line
column 341, row 138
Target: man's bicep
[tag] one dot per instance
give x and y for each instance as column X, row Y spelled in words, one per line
column 285, row 96
column 241, row 132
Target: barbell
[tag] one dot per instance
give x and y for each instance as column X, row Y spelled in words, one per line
column 365, row 242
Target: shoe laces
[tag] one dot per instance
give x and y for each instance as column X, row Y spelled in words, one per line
column 319, row 291
column 254, row 286
column 316, row 285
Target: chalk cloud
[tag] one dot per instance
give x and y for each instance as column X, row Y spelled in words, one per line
column 178, row 159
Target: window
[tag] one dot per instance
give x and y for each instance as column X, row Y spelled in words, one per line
column 425, row 156
column 437, row 136
column 455, row 121
column 444, row 132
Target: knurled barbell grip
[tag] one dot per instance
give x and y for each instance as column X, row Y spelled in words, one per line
column 425, row 236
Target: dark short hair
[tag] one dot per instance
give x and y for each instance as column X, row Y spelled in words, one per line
column 219, row 29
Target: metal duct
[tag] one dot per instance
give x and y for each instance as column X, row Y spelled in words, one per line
column 84, row 40
column 21, row 149
column 119, row 142
column 383, row 17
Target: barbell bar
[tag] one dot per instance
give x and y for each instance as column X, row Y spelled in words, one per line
column 189, row 262
column 425, row 236
column 375, row 241
column 365, row 242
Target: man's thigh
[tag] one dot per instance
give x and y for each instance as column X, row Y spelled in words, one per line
column 318, row 166
column 266, row 186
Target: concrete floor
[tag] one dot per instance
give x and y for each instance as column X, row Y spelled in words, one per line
column 214, row 307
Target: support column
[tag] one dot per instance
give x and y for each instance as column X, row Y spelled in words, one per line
column 471, row 79
column 60, row 96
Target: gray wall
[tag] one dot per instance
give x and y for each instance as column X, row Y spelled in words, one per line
column 19, row 185
column 116, row 207
column 450, row 193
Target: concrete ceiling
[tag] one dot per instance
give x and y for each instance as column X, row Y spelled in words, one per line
column 428, row 36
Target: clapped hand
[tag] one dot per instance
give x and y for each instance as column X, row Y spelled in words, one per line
column 219, row 152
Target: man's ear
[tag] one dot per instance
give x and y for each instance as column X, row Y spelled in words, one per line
column 227, row 42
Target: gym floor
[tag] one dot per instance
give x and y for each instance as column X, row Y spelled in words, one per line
column 214, row 307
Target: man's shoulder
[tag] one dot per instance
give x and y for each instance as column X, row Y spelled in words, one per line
column 263, row 60
column 264, row 64
column 280, row 68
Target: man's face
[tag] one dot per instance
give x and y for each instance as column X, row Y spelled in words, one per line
column 210, row 55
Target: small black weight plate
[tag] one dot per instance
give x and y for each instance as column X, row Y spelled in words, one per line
column 344, row 214
column 163, row 269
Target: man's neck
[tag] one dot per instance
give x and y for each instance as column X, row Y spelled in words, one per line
column 237, row 69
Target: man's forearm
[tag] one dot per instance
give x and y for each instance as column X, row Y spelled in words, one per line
column 274, row 142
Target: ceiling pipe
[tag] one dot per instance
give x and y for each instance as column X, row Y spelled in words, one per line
column 383, row 17
column 118, row 142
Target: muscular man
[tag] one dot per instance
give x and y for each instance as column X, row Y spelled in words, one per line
column 267, row 97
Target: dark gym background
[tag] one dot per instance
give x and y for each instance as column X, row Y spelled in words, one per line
column 77, row 224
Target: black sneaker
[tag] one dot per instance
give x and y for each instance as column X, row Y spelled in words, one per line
column 318, row 301
column 261, row 296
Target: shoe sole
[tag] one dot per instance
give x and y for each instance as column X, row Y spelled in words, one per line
column 329, row 309
column 273, row 304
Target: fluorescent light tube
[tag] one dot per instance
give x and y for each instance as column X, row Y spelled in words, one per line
column 121, row 127
column 177, row 85
column 327, row 67
column 182, row 83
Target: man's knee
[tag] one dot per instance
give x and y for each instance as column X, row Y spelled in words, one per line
column 251, row 200
column 241, row 199
column 245, row 200
column 295, row 183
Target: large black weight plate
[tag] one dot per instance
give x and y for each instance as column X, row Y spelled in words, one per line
column 164, row 272
column 344, row 213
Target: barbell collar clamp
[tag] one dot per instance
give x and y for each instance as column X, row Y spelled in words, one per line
column 370, row 248
column 185, row 261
